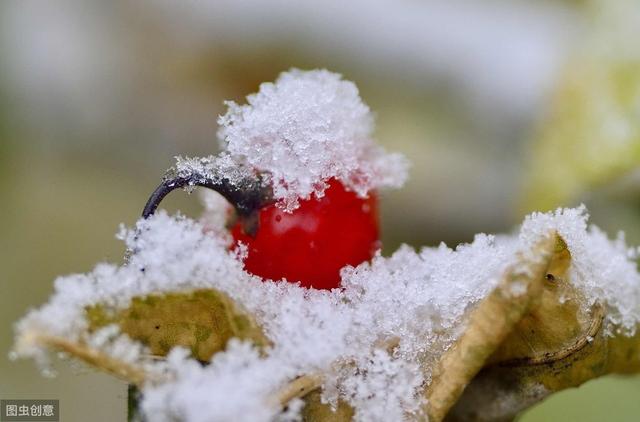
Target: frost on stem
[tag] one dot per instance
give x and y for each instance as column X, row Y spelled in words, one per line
column 381, row 346
column 245, row 190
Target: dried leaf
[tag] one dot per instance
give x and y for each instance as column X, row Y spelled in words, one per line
column 558, row 345
column 202, row 320
column 558, row 322
column 487, row 327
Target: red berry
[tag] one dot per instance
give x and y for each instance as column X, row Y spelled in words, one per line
column 316, row 240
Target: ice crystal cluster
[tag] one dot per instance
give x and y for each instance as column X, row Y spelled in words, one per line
column 303, row 129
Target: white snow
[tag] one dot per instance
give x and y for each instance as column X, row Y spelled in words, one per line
column 229, row 389
column 418, row 299
column 305, row 128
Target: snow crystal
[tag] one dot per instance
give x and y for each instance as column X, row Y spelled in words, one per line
column 375, row 341
column 604, row 270
column 216, row 169
column 386, row 389
column 308, row 127
column 222, row 391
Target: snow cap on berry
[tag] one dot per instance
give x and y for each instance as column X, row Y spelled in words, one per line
column 308, row 127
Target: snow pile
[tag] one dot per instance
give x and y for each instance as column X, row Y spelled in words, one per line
column 222, row 391
column 376, row 340
column 302, row 130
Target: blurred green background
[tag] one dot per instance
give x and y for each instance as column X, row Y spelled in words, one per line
column 503, row 107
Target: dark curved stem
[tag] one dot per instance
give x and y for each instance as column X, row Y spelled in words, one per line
column 246, row 197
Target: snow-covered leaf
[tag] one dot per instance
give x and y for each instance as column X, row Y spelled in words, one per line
column 202, row 321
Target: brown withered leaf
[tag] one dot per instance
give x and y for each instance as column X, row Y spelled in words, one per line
column 487, row 326
column 202, row 321
column 557, row 324
column 559, row 344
